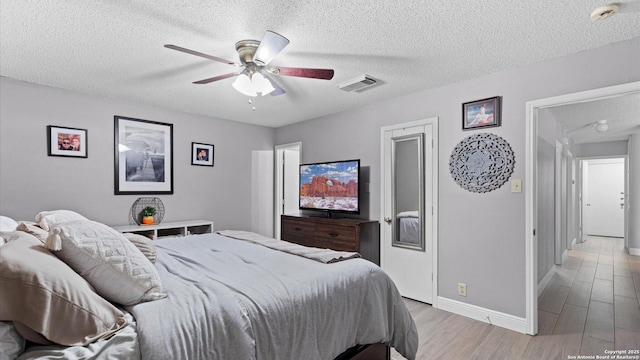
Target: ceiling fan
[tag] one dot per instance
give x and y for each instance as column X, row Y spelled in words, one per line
column 255, row 74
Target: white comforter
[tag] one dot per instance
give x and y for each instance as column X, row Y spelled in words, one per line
column 229, row 299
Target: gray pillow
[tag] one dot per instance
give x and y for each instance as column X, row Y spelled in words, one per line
column 144, row 244
column 107, row 260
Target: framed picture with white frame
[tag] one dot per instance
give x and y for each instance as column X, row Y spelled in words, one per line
column 201, row 154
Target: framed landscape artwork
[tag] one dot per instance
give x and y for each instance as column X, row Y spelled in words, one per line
column 143, row 156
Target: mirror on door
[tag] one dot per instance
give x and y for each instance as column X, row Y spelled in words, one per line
column 408, row 197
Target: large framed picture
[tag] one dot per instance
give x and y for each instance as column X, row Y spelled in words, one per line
column 65, row 141
column 201, row 154
column 481, row 113
column 143, row 157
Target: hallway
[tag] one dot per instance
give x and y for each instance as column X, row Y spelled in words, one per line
column 591, row 305
column 593, row 299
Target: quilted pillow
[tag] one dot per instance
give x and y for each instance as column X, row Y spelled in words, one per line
column 144, row 244
column 107, row 260
column 47, row 296
column 47, row 219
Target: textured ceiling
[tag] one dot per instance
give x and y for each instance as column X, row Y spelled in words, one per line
column 115, row 47
column 622, row 114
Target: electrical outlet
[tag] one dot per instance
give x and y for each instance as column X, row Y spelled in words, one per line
column 462, row 289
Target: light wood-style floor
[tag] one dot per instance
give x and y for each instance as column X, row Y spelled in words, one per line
column 591, row 305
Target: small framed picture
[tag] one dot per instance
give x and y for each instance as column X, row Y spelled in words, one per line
column 64, row 141
column 201, row 154
column 481, row 113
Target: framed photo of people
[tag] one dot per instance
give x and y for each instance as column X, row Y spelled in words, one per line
column 143, row 152
column 481, row 113
column 201, row 154
column 66, row 141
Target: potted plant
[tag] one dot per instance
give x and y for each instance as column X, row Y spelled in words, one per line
column 147, row 215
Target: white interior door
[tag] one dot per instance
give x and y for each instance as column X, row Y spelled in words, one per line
column 410, row 264
column 605, row 210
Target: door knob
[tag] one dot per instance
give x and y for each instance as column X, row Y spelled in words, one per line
column 388, row 220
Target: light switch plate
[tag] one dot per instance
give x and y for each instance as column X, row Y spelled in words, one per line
column 516, row 185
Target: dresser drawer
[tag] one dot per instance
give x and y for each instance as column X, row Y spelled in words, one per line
column 298, row 232
column 341, row 238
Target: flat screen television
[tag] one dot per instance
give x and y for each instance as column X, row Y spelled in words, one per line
column 330, row 186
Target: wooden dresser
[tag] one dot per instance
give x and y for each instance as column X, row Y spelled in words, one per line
column 344, row 234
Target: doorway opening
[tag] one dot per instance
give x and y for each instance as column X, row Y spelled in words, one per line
column 531, row 222
column 287, row 182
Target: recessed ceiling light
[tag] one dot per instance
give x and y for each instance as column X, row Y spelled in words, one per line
column 604, row 11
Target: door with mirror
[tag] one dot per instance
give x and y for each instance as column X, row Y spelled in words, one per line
column 409, row 177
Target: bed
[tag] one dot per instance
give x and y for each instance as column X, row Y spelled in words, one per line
column 229, row 297
column 408, row 227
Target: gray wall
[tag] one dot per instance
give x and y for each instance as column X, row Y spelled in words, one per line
column 31, row 181
column 481, row 239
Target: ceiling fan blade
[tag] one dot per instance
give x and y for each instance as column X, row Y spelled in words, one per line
column 270, row 46
column 278, row 89
column 196, row 53
column 216, row 78
column 325, row 74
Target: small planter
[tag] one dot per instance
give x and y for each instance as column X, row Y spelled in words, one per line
column 147, row 215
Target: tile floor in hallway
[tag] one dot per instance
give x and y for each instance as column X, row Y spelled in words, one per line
column 590, row 305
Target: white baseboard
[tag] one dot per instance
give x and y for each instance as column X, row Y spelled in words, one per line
column 546, row 279
column 634, row 251
column 485, row 315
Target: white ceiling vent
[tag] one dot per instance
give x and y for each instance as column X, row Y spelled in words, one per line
column 360, row 83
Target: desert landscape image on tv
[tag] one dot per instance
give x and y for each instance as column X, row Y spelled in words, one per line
column 329, row 186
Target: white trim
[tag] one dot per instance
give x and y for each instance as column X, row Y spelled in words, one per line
column 433, row 121
column 492, row 317
column 557, row 192
column 634, row 251
column 531, row 246
column 546, row 279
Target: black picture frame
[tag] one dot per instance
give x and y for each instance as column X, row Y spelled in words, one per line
column 202, row 154
column 482, row 113
column 67, row 141
column 143, row 157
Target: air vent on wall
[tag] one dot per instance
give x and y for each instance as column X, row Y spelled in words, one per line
column 360, row 83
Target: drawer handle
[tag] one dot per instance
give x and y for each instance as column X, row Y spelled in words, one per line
column 298, row 229
column 333, row 234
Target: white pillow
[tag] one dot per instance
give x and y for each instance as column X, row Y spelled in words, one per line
column 47, row 219
column 107, row 260
column 7, row 224
column 11, row 342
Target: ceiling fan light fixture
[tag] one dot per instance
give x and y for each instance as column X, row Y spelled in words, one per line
column 272, row 43
column 253, row 86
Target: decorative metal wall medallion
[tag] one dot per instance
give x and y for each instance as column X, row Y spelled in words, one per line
column 482, row 162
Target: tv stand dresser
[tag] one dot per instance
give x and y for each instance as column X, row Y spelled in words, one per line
column 342, row 234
